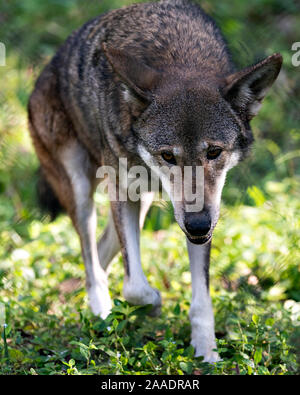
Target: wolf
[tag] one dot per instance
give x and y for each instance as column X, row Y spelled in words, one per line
column 153, row 83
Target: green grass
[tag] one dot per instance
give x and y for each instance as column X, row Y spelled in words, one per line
column 46, row 324
column 254, row 285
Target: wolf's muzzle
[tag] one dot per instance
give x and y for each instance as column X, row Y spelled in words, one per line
column 198, row 227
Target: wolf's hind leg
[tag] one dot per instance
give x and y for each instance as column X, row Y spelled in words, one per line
column 109, row 244
column 76, row 163
column 136, row 287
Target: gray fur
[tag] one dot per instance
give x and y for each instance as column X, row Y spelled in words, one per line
column 128, row 84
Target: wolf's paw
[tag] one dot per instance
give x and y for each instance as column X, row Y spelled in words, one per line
column 206, row 351
column 143, row 294
column 100, row 301
column 210, row 356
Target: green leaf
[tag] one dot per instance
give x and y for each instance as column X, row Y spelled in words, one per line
column 71, row 362
column 16, row 355
column 177, row 309
column 257, row 195
column 115, row 324
column 258, row 356
column 245, row 356
column 186, row 367
column 121, row 325
column 255, row 319
column 269, row 322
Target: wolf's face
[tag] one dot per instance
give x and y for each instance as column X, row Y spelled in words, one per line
column 192, row 128
column 191, row 131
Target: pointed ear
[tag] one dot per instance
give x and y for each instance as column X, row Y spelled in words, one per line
column 139, row 77
column 246, row 89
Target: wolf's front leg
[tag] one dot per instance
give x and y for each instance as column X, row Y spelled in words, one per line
column 136, row 287
column 201, row 312
column 76, row 164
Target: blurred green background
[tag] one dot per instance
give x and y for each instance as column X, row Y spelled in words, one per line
column 256, row 243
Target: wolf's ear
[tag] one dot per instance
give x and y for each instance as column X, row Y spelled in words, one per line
column 246, row 89
column 139, row 77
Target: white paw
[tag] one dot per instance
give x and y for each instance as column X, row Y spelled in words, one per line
column 142, row 294
column 100, row 301
column 206, row 351
column 203, row 333
column 208, row 356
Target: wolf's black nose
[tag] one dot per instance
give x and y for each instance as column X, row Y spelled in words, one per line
column 197, row 224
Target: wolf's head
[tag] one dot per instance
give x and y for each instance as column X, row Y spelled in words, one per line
column 192, row 120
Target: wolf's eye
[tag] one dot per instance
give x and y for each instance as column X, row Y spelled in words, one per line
column 169, row 157
column 213, row 153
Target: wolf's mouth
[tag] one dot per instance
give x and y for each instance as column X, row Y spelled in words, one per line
column 199, row 239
